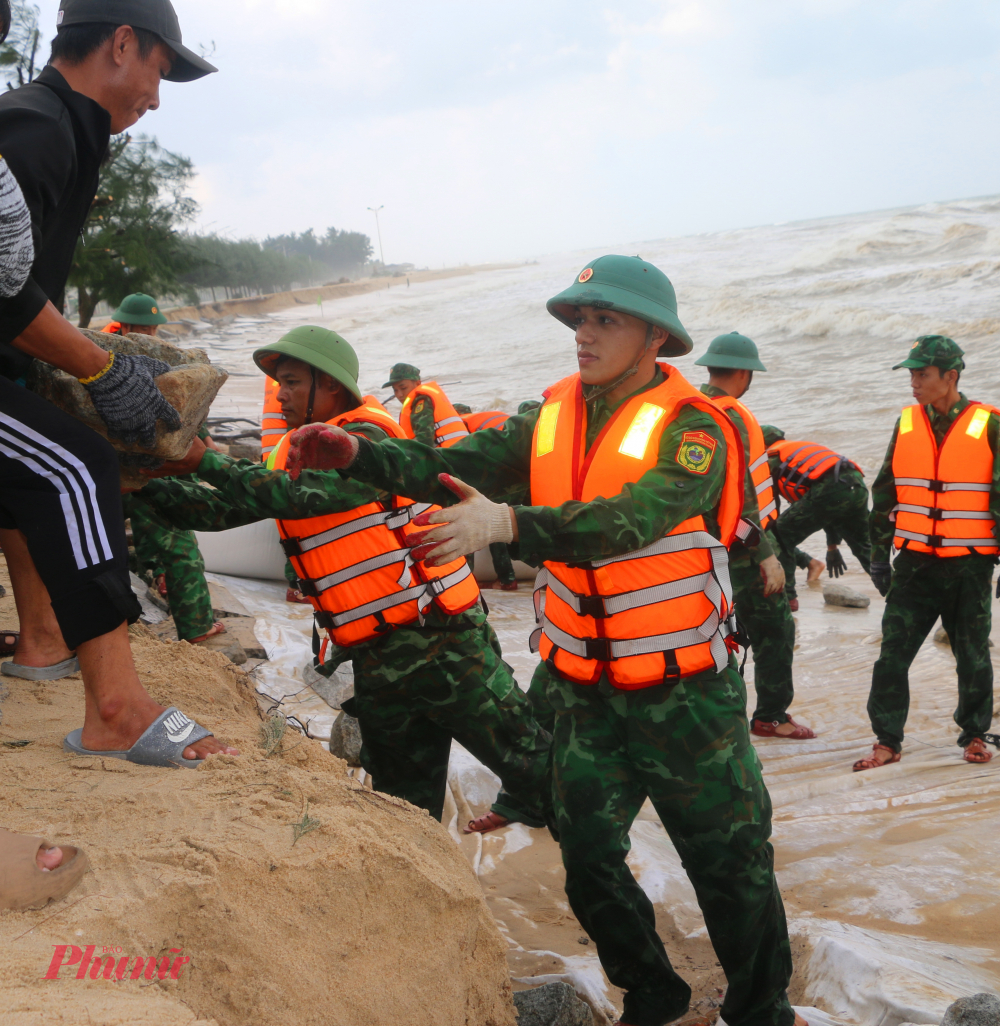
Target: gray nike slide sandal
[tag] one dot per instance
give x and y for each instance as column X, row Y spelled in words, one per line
column 53, row 672
column 162, row 743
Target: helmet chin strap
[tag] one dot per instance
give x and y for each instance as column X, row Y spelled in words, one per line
column 312, row 396
column 632, row 370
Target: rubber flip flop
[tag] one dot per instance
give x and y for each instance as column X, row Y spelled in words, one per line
column 23, row 884
column 162, row 743
column 53, row 672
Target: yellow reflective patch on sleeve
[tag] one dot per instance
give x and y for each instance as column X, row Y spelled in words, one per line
column 906, row 421
column 545, row 431
column 637, row 437
column 978, row 423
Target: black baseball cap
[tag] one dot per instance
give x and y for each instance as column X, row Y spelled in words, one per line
column 156, row 16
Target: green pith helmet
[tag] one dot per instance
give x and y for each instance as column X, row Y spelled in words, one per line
column 771, row 434
column 320, row 348
column 460, row 408
column 934, row 351
column 528, row 405
column 402, row 372
column 138, row 309
column 631, row 285
column 732, row 352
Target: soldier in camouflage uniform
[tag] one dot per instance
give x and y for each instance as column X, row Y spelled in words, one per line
column 417, row 686
column 921, row 586
column 403, row 379
column 758, row 578
column 172, row 555
column 836, row 504
column 684, row 744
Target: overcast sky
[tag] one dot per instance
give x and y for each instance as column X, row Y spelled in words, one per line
column 505, row 131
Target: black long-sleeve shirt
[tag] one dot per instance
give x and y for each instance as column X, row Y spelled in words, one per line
column 54, row 140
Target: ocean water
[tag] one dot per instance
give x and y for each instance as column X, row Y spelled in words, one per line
column 831, row 303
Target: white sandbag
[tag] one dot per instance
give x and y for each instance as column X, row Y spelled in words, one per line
column 485, row 573
column 250, row 551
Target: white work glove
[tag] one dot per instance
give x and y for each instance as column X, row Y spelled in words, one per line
column 320, row 447
column 773, row 575
column 471, row 525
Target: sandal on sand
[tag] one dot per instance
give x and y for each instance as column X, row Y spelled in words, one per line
column 23, row 884
column 976, row 751
column 872, row 763
column 763, row 728
column 53, row 672
column 8, row 642
column 217, row 628
column 484, row 824
column 294, row 595
column 162, row 743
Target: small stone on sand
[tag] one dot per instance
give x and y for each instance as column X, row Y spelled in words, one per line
column 841, row 595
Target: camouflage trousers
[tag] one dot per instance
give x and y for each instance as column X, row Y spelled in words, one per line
column 161, row 548
column 838, row 507
column 419, row 689
column 767, row 620
column 687, row 749
column 923, row 588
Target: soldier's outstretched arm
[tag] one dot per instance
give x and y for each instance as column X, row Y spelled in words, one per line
column 188, row 505
column 883, row 500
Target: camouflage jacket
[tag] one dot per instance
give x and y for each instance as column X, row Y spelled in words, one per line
column 745, row 554
column 497, row 461
column 884, row 488
column 422, row 421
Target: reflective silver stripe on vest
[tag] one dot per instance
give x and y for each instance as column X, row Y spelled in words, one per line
column 393, row 519
column 449, row 420
column 427, row 590
column 763, row 486
column 634, row 599
column 946, row 486
column 937, row 542
column 943, row 514
column 444, row 436
column 366, row 566
column 768, row 510
column 640, row 646
column 664, row 546
column 759, row 462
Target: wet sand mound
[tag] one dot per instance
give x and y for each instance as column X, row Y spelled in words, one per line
column 298, row 896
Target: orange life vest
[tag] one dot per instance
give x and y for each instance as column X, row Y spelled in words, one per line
column 448, row 424
column 801, row 463
column 609, row 615
column 484, row 420
column 758, row 466
column 113, row 328
column 943, row 495
column 355, row 567
column 272, row 421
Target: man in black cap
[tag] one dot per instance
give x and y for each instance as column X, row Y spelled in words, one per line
column 61, row 522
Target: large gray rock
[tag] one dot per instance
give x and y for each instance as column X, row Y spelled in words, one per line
column 553, row 1004
column 345, row 739
column 335, row 689
column 978, row 1010
column 190, row 387
column 838, row 594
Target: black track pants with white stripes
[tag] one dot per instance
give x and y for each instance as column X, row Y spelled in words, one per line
column 59, row 485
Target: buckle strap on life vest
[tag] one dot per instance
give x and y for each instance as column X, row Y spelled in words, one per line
column 423, row 593
column 393, row 519
column 942, row 486
column 933, row 513
column 603, row 606
column 606, row 650
column 936, row 541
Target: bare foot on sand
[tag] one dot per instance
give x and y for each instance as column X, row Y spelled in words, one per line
column 814, row 570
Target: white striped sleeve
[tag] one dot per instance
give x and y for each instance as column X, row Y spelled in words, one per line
column 17, row 251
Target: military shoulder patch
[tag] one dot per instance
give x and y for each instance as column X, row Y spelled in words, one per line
column 696, row 451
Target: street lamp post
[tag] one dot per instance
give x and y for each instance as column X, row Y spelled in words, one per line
column 378, row 231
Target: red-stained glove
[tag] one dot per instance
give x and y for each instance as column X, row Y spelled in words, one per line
column 471, row 525
column 320, row 447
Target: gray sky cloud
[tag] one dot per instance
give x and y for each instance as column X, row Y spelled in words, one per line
column 506, row 131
